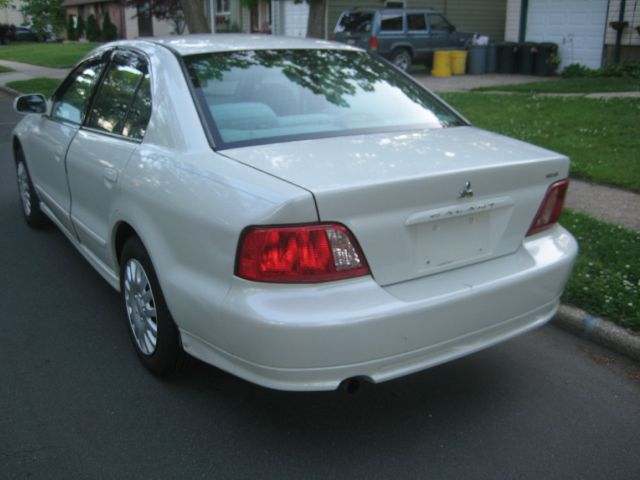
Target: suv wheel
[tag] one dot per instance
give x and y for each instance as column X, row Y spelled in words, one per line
column 401, row 58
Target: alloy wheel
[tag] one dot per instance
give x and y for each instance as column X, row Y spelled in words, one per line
column 141, row 307
column 23, row 188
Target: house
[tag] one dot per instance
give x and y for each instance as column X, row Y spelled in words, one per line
column 583, row 29
column 12, row 13
column 134, row 22
column 286, row 17
column 130, row 22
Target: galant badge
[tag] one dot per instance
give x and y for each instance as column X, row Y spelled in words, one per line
column 467, row 191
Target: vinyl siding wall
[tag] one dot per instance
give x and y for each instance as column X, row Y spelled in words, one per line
column 486, row 17
column 11, row 15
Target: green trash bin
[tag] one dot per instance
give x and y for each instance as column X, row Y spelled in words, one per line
column 526, row 57
column 547, row 59
column 506, row 56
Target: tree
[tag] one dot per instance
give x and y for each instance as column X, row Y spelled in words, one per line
column 194, row 16
column 93, row 29
column 80, row 27
column 315, row 21
column 109, row 30
column 7, row 33
column 46, row 16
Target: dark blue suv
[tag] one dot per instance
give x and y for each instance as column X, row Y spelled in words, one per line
column 404, row 36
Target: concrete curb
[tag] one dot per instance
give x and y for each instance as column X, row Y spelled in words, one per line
column 598, row 330
column 10, row 91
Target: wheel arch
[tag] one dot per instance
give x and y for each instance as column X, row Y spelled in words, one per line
column 17, row 145
column 122, row 232
column 403, row 46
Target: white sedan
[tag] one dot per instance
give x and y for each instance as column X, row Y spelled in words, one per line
column 296, row 212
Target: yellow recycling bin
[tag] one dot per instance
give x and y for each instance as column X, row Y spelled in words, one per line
column 441, row 63
column 458, row 62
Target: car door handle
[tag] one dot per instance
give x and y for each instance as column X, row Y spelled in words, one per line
column 110, row 174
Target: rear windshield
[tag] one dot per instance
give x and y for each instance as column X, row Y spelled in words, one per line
column 355, row 22
column 270, row 96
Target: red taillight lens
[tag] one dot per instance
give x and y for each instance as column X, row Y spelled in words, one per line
column 299, row 254
column 551, row 207
column 373, row 43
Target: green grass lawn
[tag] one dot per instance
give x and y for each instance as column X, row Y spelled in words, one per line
column 57, row 55
column 35, row 85
column 571, row 85
column 600, row 136
column 606, row 278
column 4, row 69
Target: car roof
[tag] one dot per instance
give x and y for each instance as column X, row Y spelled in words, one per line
column 225, row 42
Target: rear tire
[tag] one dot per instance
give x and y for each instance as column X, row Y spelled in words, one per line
column 401, row 58
column 29, row 201
column 153, row 332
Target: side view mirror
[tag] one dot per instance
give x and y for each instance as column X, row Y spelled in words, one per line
column 30, row 103
column 452, row 28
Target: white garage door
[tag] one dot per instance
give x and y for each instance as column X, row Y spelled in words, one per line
column 577, row 26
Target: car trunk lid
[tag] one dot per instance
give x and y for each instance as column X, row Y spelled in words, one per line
column 419, row 202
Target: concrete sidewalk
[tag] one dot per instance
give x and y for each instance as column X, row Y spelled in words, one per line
column 24, row 71
column 609, row 204
column 462, row 83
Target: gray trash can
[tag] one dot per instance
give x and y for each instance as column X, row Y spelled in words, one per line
column 492, row 58
column 477, row 59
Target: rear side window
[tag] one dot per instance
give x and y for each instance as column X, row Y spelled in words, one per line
column 355, row 22
column 438, row 22
column 122, row 105
column 416, row 21
column 137, row 120
column 391, row 22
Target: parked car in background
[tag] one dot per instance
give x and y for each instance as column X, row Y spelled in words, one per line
column 403, row 36
column 297, row 213
column 25, row 34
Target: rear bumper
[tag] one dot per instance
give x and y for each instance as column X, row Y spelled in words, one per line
column 314, row 337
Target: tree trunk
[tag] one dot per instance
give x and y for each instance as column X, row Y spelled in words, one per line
column 315, row 23
column 194, row 16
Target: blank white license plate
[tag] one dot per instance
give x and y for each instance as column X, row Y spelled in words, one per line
column 454, row 240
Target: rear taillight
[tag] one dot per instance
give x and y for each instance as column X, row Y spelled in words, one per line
column 373, row 43
column 551, row 207
column 299, row 254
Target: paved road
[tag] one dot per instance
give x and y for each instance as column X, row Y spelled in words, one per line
column 74, row 403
